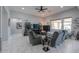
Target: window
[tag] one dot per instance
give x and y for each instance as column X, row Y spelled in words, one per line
column 65, row 22
column 56, row 24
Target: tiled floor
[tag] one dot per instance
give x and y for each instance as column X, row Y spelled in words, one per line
column 20, row 44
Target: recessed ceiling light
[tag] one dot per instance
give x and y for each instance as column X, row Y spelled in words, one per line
column 22, row 8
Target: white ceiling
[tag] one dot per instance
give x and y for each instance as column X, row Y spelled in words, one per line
column 31, row 10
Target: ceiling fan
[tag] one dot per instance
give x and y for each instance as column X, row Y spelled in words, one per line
column 41, row 9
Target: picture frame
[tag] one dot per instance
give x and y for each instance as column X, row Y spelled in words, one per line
column 19, row 25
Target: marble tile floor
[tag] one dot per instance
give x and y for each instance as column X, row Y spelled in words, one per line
column 20, row 44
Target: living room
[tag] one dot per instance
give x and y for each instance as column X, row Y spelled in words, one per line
column 44, row 21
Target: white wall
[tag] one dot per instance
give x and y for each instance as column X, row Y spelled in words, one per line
column 0, row 21
column 13, row 28
column 23, row 17
column 4, row 24
column 74, row 13
column 0, row 28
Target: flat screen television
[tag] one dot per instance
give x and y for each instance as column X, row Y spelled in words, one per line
column 36, row 26
column 46, row 28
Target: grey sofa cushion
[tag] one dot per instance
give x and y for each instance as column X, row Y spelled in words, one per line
column 54, row 38
column 34, row 38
